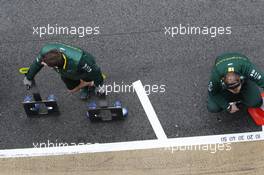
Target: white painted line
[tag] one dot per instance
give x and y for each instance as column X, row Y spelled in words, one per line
column 133, row 145
column 150, row 112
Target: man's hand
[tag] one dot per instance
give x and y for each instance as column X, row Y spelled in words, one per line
column 27, row 82
column 82, row 85
column 234, row 108
column 90, row 83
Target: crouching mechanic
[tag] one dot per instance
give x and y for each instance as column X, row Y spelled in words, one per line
column 76, row 67
column 234, row 78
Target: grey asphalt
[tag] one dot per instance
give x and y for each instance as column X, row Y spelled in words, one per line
column 131, row 46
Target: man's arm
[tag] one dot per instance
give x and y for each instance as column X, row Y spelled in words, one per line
column 35, row 67
column 81, row 85
column 214, row 90
column 250, row 71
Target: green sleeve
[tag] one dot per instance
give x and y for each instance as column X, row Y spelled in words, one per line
column 35, row 67
column 215, row 90
column 250, row 71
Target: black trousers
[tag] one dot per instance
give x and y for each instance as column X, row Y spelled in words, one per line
column 70, row 84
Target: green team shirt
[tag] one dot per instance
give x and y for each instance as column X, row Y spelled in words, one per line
column 231, row 62
column 78, row 64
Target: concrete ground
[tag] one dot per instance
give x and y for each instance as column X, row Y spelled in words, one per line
column 131, row 46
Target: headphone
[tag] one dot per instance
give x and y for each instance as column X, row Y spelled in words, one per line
column 233, row 85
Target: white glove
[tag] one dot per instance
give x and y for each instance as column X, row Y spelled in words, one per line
column 27, row 82
column 232, row 108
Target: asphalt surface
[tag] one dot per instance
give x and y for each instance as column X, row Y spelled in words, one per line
column 131, row 46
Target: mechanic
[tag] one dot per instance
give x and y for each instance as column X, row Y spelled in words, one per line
column 234, row 78
column 77, row 68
